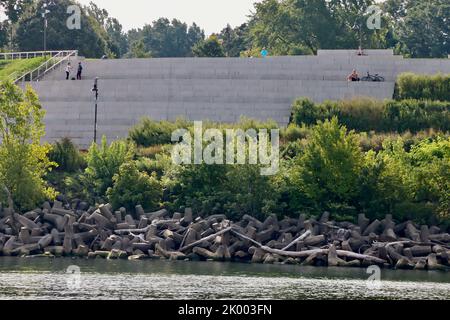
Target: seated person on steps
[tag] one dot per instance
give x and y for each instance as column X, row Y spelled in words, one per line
column 360, row 52
column 353, row 76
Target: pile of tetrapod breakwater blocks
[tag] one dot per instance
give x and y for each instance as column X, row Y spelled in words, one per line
column 76, row 229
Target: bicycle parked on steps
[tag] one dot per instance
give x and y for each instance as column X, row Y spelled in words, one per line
column 373, row 78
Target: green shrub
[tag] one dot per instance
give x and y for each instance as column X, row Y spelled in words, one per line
column 67, row 156
column 327, row 172
column 159, row 165
column 410, row 185
column 132, row 187
column 150, row 132
column 103, row 162
column 383, row 181
column 362, row 114
column 423, row 87
column 373, row 115
column 431, row 177
column 374, row 141
column 294, row 133
column 235, row 190
column 305, row 111
column 415, row 115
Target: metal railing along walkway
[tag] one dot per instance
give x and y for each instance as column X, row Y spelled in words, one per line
column 29, row 54
column 51, row 63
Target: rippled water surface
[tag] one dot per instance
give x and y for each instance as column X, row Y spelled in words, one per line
column 102, row 279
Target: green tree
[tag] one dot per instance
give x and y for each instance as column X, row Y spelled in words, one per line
column 431, row 182
column 15, row 8
column 4, row 35
column 138, row 50
column 23, row 160
column 235, row 41
column 421, row 27
column 384, row 181
column 284, row 25
column 304, row 26
column 327, row 173
column 112, row 30
column 117, row 37
column 91, row 40
column 210, row 47
column 165, row 38
column 103, row 162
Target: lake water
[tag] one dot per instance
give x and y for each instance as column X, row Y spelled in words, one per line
column 42, row 278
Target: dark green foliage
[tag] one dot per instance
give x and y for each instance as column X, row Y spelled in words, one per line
column 15, row 8
column 138, row 50
column 165, row 38
column 382, row 116
column 91, row 40
column 103, row 163
column 410, row 185
column 423, row 87
column 111, row 30
column 296, row 27
column 235, row 41
column 210, row 47
column 232, row 189
column 66, row 154
column 150, row 132
column 421, row 27
column 327, row 172
column 4, row 35
column 132, row 187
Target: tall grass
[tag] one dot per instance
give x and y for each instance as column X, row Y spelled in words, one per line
column 423, row 87
column 366, row 114
column 151, row 133
column 18, row 67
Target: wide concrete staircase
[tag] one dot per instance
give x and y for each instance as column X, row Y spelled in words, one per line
column 214, row 89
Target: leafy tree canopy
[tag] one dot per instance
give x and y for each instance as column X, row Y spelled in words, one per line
column 165, row 38
column 210, row 47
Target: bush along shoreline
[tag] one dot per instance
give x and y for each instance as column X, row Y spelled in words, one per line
column 76, row 230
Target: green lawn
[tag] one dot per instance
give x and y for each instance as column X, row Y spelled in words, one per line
column 8, row 67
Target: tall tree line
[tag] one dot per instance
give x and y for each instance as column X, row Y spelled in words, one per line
column 414, row 28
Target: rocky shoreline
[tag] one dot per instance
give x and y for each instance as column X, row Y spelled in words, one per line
column 78, row 230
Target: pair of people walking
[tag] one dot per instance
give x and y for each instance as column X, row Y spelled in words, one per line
column 69, row 70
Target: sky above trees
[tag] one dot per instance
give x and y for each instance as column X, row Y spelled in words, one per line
column 212, row 15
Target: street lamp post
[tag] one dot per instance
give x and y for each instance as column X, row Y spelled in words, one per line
column 44, row 16
column 95, row 90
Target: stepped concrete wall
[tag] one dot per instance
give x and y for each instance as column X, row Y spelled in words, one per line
column 217, row 89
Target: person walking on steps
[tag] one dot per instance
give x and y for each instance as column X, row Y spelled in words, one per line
column 68, row 70
column 80, row 70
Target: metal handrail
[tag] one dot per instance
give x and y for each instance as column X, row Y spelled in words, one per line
column 29, row 54
column 48, row 65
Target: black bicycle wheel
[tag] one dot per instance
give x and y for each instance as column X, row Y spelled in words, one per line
column 366, row 79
